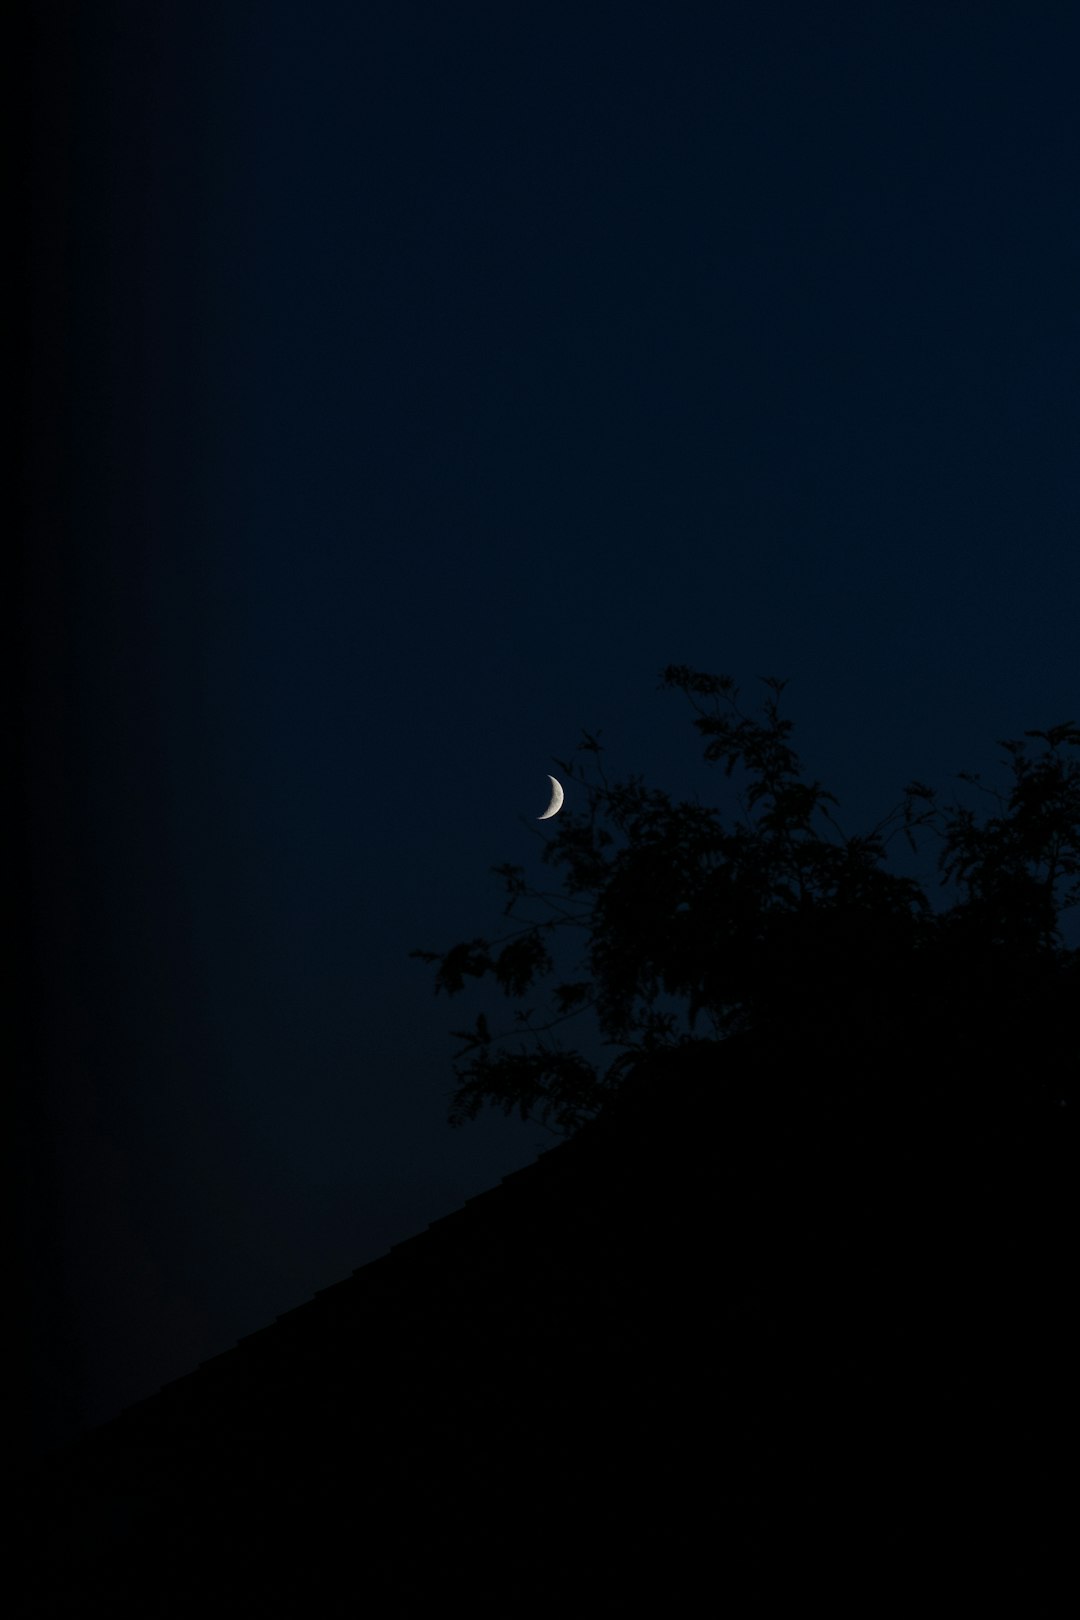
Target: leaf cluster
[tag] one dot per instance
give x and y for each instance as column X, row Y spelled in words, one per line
column 671, row 920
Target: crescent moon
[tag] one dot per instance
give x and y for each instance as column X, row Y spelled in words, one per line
column 556, row 801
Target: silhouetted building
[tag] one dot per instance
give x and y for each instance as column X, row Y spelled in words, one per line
column 732, row 1339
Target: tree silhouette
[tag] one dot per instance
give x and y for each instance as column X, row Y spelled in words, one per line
column 780, row 930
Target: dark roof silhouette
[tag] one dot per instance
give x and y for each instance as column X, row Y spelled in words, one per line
column 728, row 1333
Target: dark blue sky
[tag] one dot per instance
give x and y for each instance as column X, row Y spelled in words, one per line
column 410, row 384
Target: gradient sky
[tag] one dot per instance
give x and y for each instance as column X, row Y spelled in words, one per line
column 410, row 384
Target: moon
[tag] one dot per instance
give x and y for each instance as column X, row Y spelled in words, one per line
column 556, row 801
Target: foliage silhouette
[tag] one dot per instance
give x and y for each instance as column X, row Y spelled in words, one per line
column 781, row 930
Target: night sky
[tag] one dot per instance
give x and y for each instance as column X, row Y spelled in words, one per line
column 408, row 385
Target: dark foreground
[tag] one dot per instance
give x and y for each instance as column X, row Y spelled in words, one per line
column 725, row 1347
